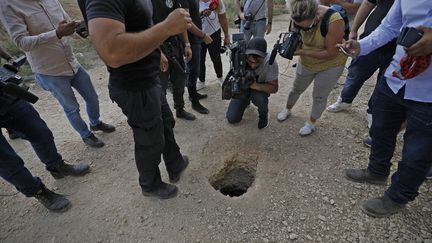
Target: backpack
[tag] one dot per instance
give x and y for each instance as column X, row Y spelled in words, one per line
column 325, row 21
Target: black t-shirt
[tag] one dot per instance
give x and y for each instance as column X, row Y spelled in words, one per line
column 375, row 19
column 161, row 10
column 136, row 16
column 193, row 6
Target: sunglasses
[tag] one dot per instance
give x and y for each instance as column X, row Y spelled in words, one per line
column 313, row 24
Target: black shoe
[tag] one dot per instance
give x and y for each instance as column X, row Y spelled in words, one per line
column 14, row 134
column 51, row 200
column 93, row 141
column 69, row 170
column 363, row 176
column 176, row 176
column 199, row 96
column 164, row 191
column 199, row 108
column 367, row 142
column 262, row 123
column 381, row 207
column 181, row 113
column 103, row 127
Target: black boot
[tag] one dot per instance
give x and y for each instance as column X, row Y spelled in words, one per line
column 199, row 108
column 93, row 141
column 181, row 113
column 103, row 127
column 51, row 200
column 164, row 191
column 69, row 170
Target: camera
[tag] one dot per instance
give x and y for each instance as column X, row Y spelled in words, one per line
column 10, row 86
column 249, row 19
column 82, row 30
column 239, row 78
column 286, row 45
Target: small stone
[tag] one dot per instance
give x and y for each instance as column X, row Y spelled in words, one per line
column 244, row 231
column 265, row 240
column 322, row 218
column 199, row 201
column 332, row 202
column 293, row 236
column 309, row 237
column 285, row 223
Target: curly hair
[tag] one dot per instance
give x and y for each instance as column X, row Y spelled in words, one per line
column 303, row 9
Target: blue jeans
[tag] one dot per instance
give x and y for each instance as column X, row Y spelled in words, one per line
column 237, row 107
column 24, row 119
column 257, row 29
column 193, row 70
column 361, row 69
column 61, row 88
column 389, row 112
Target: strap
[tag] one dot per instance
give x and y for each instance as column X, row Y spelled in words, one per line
column 325, row 22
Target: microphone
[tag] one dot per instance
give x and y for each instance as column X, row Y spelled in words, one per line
column 16, row 91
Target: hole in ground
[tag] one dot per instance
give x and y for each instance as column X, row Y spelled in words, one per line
column 235, row 178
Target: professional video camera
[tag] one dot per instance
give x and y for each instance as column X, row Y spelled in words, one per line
column 286, row 45
column 10, row 89
column 239, row 78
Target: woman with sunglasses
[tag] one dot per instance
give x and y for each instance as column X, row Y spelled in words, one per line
column 320, row 60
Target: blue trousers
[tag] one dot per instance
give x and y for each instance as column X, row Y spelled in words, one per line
column 61, row 88
column 237, row 107
column 361, row 69
column 24, row 119
column 389, row 112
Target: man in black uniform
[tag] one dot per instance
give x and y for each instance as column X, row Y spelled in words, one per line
column 127, row 41
column 173, row 50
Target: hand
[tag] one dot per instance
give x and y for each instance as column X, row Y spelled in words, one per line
column 207, row 39
column 65, row 29
column 227, row 40
column 188, row 53
column 242, row 16
column 178, row 21
column 268, row 29
column 422, row 47
column 352, row 47
column 163, row 63
column 206, row 12
column 352, row 35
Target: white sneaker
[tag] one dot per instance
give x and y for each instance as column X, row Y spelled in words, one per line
column 369, row 120
column 307, row 129
column 221, row 81
column 283, row 115
column 200, row 85
column 338, row 106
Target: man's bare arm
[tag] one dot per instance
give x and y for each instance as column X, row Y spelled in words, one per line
column 116, row 47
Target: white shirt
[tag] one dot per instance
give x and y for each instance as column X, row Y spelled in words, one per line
column 211, row 23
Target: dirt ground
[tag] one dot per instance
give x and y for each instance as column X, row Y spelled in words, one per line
column 297, row 190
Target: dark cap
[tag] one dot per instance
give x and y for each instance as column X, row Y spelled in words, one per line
column 257, row 46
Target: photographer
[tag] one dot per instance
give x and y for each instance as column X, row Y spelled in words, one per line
column 254, row 21
column 127, row 41
column 403, row 93
column 320, row 60
column 264, row 83
column 41, row 29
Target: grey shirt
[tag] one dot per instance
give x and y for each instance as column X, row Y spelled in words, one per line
column 32, row 26
column 255, row 7
column 266, row 72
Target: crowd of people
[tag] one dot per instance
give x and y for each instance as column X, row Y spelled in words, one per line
column 151, row 46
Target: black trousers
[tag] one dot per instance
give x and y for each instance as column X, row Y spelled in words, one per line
column 177, row 76
column 215, row 55
column 152, row 124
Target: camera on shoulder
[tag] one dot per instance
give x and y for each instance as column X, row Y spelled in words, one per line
column 240, row 77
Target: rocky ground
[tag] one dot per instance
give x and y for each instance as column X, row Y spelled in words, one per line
column 297, row 190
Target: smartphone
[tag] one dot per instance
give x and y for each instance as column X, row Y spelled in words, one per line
column 409, row 36
column 346, row 52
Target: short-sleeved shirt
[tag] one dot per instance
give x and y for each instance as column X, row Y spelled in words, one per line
column 351, row 16
column 136, row 15
column 374, row 20
column 161, row 10
column 193, row 6
column 266, row 72
column 313, row 40
column 258, row 8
